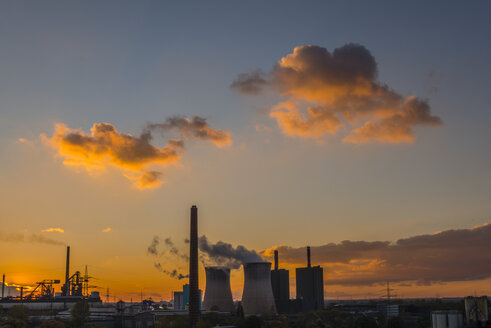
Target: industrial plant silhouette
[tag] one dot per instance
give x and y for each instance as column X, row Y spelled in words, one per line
column 266, row 295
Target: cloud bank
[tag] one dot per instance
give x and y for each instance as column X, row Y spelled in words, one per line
column 134, row 156
column 324, row 92
column 447, row 256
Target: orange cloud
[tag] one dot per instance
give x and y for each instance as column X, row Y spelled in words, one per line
column 196, row 127
column 325, row 91
column 53, row 230
column 134, row 156
column 106, row 230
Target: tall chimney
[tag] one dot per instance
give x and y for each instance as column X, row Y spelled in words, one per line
column 194, row 310
column 3, row 285
column 67, row 272
column 308, row 256
column 276, row 260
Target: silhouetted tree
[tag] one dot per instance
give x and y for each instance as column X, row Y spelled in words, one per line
column 80, row 314
column 365, row 322
column 240, row 311
column 395, row 322
column 253, row 322
column 52, row 323
column 174, row 321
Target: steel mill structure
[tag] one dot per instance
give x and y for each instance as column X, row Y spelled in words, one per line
column 218, row 295
column 257, row 297
column 194, row 311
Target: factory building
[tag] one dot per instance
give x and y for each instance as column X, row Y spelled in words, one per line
column 257, row 297
column 280, row 282
column 447, row 319
column 178, row 301
column 218, row 294
column 181, row 299
column 476, row 311
column 310, row 286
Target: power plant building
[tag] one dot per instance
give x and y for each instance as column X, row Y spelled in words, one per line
column 280, row 282
column 178, row 301
column 218, row 294
column 476, row 310
column 185, row 297
column 257, row 297
column 310, row 286
column 447, row 319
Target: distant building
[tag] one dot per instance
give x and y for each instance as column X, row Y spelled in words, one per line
column 185, row 298
column 476, row 310
column 310, row 286
column 178, row 301
column 447, row 319
column 280, row 282
column 388, row 310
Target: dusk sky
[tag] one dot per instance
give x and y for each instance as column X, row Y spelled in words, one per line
column 357, row 128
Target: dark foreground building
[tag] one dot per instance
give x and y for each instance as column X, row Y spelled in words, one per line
column 280, row 281
column 310, row 286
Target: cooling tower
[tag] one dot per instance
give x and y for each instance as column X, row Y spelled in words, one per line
column 257, row 297
column 218, row 295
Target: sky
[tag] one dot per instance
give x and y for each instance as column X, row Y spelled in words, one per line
column 288, row 124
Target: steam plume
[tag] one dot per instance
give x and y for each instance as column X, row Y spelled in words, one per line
column 224, row 254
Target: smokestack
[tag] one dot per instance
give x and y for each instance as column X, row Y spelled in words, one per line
column 3, row 285
column 276, row 260
column 67, row 272
column 257, row 297
column 218, row 295
column 308, row 256
column 194, row 310
column 21, row 293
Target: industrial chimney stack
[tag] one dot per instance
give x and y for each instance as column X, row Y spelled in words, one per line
column 276, row 260
column 194, row 310
column 66, row 291
column 308, row 257
column 3, row 285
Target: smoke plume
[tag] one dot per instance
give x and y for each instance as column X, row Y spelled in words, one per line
column 224, row 254
column 172, row 273
column 446, row 256
column 28, row 238
column 105, row 146
column 152, row 249
column 169, row 252
column 325, row 92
